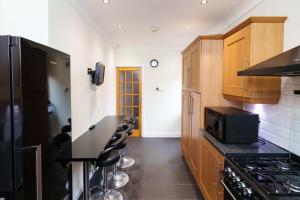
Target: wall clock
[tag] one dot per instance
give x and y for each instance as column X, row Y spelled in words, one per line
column 154, row 63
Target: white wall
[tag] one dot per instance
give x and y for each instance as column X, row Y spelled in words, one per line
column 71, row 33
column 161, row 110
column 28, row 19
column 280, row 123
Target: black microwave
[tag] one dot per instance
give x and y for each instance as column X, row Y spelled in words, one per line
column 232, row 125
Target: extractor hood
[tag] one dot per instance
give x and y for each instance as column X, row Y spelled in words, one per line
column 284, row 64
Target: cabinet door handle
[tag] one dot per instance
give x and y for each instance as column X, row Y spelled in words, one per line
column 213, row 166
column 246, row 65
column 189, row 103
column 192, row 105
column 189, row 77
column 218, row 176
column 214, row 178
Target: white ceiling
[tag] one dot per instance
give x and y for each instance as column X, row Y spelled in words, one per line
column 170, row 16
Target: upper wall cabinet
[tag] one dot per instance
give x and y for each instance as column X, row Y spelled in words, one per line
column 251, row 42
column 186, row 71
column 191, row 68
column 202, row 50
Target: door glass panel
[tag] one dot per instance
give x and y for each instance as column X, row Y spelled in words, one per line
column 136, row 76
column 128, row 76
column 128, row 88
column 135, row 88
column 128, row 100
column 122, row 111
column 122, row 76
column 135, row 111
column 122, row 100
column 128, row 112
column 136, row 100
column 136, row 115
column 122, row 88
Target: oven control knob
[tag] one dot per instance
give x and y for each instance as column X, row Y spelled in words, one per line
column 247, row 191
column 237, row 179
column 227, row 169
column 233, row 175
column 241, row 185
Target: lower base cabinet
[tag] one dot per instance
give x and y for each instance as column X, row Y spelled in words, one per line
column 211, row 166
column 208, row 171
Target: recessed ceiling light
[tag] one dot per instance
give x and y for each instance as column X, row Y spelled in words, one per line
column 188, row 27
column 154, row 29
column 119, row 26
column 204, row 2
column 106, row 1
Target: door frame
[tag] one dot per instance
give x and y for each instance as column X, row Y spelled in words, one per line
column 136, row 133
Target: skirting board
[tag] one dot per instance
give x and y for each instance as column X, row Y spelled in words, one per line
column 161, row 134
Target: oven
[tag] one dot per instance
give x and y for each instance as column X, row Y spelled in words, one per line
column 237, row 187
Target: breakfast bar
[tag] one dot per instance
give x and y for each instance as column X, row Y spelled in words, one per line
column 89, row 145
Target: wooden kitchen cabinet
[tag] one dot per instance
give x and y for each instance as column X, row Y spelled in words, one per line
column 195, row 59
column 186, row 71
column 185, row 123
column 202, row 71
column 190, row 138
column 202, row 86
column 251, row 42
column 195, row 136
column 212, row 164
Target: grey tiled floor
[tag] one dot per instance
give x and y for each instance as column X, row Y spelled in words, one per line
column 160, row 171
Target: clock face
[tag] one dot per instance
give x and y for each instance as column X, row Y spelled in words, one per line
column 154, row 63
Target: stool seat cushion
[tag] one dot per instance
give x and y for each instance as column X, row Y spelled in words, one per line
column 121, row 146
column 112, row 159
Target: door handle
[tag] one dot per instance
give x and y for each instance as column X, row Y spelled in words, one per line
column 189, row 77
column 37, row 149
column 192, row 105
column 246, row 65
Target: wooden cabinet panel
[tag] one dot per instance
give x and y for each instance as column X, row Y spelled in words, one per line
column 236, row 58
column 195, row 150
column 196, row 68
column 212, row 164
column 207, row 172
column 186, row 122
column 253, row 41
column 205, row 58
column 186, row 71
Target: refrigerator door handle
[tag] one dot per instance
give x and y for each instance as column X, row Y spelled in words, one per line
column 38, row 167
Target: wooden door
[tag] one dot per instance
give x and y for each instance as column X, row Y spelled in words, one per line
column 186, row 123
column 186, row 70
column 195, row 68
column 129, row 95
column 195, row 136
column 236, row 58
column 207, row 169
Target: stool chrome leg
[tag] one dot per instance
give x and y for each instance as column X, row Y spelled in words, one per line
column 125, row 161
column 107, row 194
column 117, row 179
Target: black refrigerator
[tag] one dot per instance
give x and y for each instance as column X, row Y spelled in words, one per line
column 35, row 121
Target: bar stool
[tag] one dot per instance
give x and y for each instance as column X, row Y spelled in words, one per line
column 109, row 157
column 117, row 179
column 126, row 161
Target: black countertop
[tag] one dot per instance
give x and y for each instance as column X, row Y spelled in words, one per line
column 261, row 147
column 90, row 144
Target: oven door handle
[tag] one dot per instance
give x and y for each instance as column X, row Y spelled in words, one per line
column 228, row 190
